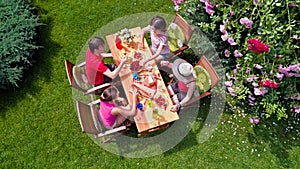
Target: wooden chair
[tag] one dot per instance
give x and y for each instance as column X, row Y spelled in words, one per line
column 179, row 34
column 90, row 122
column 213, row 75
column 78, row 79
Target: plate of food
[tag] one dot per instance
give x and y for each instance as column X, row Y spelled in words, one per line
column 137, row 55
column 135, row 66
column 161, row 100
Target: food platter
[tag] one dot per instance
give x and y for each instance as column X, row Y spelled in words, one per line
column 135, row 66
column 137, row 55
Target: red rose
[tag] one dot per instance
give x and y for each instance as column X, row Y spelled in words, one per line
column 268, row 83
column 254, row 41
column 256, row 46
column 274, row 85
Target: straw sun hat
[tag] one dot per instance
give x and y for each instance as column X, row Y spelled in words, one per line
column 183, row 71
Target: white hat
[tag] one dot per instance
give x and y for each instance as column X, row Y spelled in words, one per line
column 183, row 71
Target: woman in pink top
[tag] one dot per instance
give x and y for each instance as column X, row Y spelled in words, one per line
column 185, row 86
column 111, row 114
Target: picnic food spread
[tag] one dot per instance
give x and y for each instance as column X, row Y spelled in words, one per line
column 135, row 66
column 153, row 102
column 137, row 55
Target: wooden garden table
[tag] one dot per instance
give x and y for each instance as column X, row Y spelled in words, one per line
column 156, row 103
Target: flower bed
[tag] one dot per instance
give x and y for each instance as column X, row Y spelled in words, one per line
column 259, row 46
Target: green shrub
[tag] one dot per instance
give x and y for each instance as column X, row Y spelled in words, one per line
column 265, row 75
column 18, row 26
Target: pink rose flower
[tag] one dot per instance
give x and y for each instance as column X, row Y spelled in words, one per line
column 231, row 41
column 224, row 37
column 237, row 54
column 209, row 8
column 226, row 53
column 246, row 21
column 222, row 29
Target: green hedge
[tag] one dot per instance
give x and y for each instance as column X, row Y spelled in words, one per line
column 18, row 25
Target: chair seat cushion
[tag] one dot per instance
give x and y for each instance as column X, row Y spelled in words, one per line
column 203, row 80
column 175, row 37
column 81, row 78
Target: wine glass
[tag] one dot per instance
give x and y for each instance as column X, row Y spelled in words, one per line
column 118, row 42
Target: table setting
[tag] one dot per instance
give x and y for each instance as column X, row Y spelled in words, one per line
column 154, row 102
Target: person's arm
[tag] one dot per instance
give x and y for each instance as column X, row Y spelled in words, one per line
column 144, row 30
column 166, row 63
column 127, row 110
column 156, row 54
column 115, row 73
column 187, row 98
column 189, row 94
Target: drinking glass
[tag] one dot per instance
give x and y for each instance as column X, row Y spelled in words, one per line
column 118, row 42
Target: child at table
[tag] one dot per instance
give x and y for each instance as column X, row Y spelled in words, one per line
column 159, row 39
column 113, row 111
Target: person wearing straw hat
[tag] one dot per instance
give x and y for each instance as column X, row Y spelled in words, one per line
column 185, row 86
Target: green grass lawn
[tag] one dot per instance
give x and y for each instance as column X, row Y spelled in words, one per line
column 40, row 129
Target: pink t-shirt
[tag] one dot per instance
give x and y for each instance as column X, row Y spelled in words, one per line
column 105, row 113
column 95, row 68
column 155, row 41
column 182, row 86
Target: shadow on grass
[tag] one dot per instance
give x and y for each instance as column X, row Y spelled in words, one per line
column 281, row 137
column 191, row 138
column 40, row 70
column 181, row 134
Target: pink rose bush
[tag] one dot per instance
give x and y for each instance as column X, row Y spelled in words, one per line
column 260, row 52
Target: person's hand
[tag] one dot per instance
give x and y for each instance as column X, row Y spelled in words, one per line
column 134, row 91
column 164, row 63
column 171, row 75
column 123, row 101
column 174, row 108
column 124, row 59
column 141, row 46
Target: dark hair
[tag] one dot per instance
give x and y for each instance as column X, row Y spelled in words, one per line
column 159, row 23
column 109, row 94
column 95, row 42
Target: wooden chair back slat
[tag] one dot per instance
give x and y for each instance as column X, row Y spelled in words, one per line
column 85, row 118
column 90, row 122
column 185, row 27
column 77, row 78
column 210, row 69
column 69, row 70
